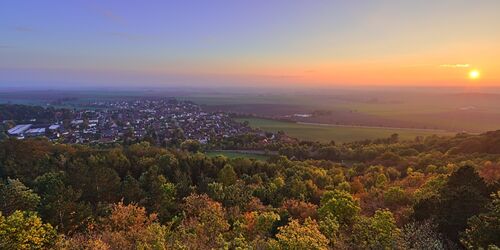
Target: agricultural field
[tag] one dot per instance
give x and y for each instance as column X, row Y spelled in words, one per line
column 340, row 134
column 455, row 111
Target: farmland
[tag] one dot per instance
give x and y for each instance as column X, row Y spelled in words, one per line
column 453, row 111
column 340, row 134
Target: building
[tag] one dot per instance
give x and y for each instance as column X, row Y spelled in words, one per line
column 35, row 132
column 54, row 127
column 19, row 129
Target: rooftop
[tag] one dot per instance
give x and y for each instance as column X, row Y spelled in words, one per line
column 19, row 129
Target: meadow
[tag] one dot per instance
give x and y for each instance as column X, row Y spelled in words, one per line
column 238, row 154
column 339, row 134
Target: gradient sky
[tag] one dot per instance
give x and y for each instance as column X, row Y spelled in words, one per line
column 251, row 43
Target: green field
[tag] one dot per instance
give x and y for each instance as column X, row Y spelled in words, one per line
column 339, row 134
column 453, row 111
column 233, row 154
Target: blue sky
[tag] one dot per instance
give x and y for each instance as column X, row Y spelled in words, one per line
column 244, row 42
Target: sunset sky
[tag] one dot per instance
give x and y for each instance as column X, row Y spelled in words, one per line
column 250, row 43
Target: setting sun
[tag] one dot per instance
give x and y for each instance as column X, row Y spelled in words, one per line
column 474, row 74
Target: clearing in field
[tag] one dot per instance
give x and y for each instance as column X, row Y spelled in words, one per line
column 337, row 133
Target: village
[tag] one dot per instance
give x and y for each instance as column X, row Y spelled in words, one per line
column 159, row 120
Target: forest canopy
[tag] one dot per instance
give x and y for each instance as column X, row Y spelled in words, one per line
column 437, row 192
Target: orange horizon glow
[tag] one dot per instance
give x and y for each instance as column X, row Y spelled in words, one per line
column 449, row 66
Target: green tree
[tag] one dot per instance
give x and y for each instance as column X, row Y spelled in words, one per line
column 330, row 227
column 160, row 194
column 295, row 236
column 377, row 232
column 60, row 203
column 339, row 204
column 99, row 183
column 131, row 190
column 25, row 230
column 464, row 195
column 117, row 160
column 431, row 188
column 14, row 195
column 192, row 146
column 227, row 175
column 237, row 194
column 295, row 188
column 396, row 196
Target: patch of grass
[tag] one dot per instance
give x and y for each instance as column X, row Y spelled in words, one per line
column 234, row 154
column 339, row 134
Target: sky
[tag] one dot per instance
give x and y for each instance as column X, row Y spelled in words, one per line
column 275, row 43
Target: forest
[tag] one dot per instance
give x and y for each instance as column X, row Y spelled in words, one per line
column 26, row 113
column 428, row 193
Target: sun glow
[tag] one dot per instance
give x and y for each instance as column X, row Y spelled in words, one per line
column 474, row 74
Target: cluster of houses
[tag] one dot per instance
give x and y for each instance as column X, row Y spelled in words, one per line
column 159, row 120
